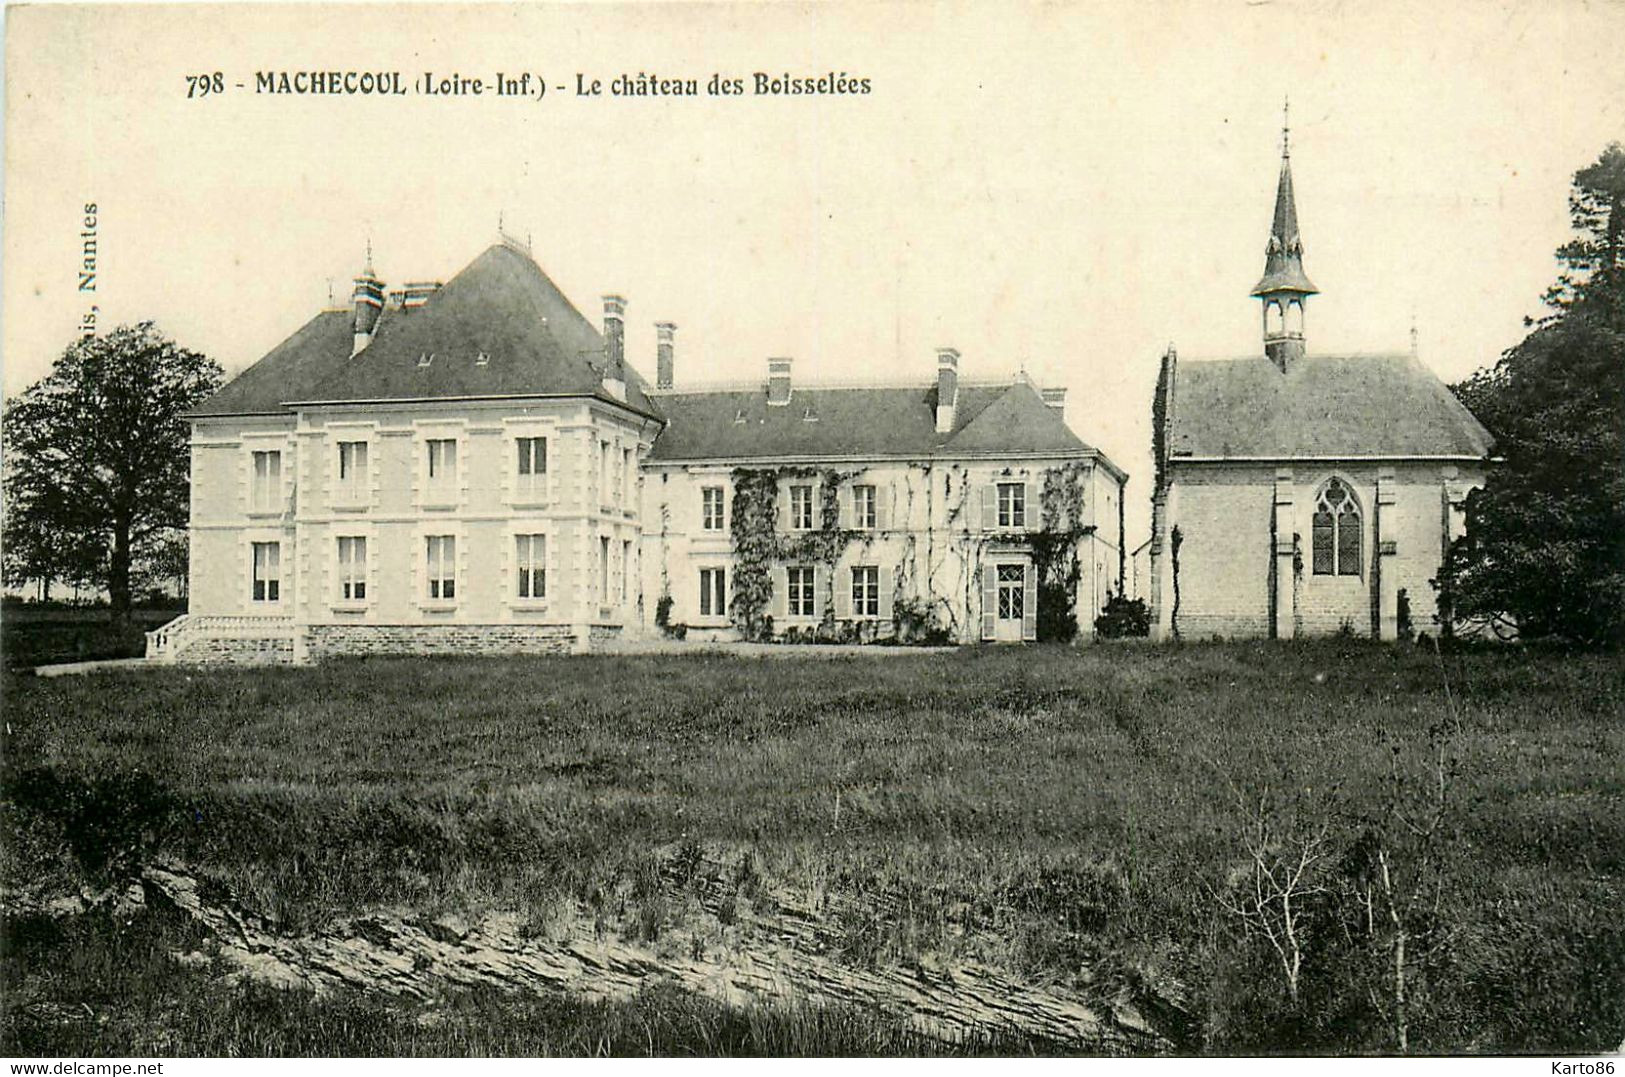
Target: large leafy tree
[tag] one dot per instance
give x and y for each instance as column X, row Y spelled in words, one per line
column 1545, row 540
column 96, row 460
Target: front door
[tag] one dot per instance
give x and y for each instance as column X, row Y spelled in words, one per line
column 1012, row 603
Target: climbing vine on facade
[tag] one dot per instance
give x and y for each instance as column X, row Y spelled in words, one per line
column 760, row 545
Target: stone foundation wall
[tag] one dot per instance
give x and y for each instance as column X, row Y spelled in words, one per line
column 219, row 651
column 335, row 641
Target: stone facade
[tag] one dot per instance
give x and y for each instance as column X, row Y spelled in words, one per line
column 583, row 507
column 474, row 468
column 929, row 542
column 1244, row 563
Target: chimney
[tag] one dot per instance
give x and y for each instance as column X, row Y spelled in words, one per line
column 615, row 346
column 664, row 370
column 778, row 382
column 947, row 388
column 369, row 303
column 1055, row 398
column 417, row 293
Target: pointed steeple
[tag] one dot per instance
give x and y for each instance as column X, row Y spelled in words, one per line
column 1283, row 257
column 1284, row 286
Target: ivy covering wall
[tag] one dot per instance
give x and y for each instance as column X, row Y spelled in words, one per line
column 921, row 612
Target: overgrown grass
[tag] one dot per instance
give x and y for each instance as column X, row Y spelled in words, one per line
column 120, row 994
column 1063, row 813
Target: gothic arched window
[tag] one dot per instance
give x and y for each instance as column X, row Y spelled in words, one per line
column 1336, row 532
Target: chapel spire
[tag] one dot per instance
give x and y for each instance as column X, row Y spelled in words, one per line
column 1284, row 286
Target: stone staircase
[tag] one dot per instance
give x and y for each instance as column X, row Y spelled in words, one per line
column 213, row 637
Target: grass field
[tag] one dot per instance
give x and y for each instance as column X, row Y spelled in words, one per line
column 1073, row 816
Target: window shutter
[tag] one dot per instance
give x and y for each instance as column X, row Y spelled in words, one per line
column 990, row 599
column 784, row 507
column 886, row 586
column 817, row 510
column 1029, row 508
column 990, row 507
column 841, row 591
column 1029, row 603
column 882, row 508
column 781, row 594
column 818, row 575
column 846, row 520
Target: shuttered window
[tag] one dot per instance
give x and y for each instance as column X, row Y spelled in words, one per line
column 267, row 571
column 713, row 592
column 530, row 559
column 800, row 596
column 441, row 556
column 352, row 568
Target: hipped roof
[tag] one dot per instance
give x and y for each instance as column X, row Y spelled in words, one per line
column 501, row 306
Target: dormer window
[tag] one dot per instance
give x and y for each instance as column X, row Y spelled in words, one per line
column 425, row 359
column 482, row 359
column 809, row 416
column 739, row 417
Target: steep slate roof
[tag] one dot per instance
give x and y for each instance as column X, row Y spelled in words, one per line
column 1323, row 406
column 858, row 422
column 501, row 304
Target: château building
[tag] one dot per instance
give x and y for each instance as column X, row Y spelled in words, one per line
column 475, row 467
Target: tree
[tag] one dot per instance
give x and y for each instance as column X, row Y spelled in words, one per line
column 1545, row 538
column 97, row 458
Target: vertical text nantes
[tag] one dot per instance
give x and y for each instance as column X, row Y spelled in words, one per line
column 87, row 268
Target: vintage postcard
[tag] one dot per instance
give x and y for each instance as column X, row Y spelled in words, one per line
column 842, row 529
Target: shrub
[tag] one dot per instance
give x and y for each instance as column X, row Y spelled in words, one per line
column 1123, row 617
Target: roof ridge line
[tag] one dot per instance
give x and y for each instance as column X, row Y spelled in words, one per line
column 753, row 386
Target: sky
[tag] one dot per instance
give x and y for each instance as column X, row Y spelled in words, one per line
column 1062, row 188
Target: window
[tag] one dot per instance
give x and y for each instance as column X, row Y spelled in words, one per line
column 713, row 592
column 267, row 570
column 629, row 477
column 603, row 570
column 1012, row 592
column 443, row 567
column 1012, row 504
column 603, row 473
column 801, row 508
column 530, row 556
column 266, row 495
column 442, row 467
column 353, row 477
column 353, row 569
column 863, row 507
column 626, row 567
column 711, row 508
column 865, row 591
column 532, row 472
column 800, row 597
column 1336, row 532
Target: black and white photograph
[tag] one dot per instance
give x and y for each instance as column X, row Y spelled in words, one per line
column 907, row 530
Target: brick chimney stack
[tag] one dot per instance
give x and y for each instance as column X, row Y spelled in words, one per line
column 615, row 346
column 1055, row 398
column 778, row 382
column 947, row 388
column 665, row 360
